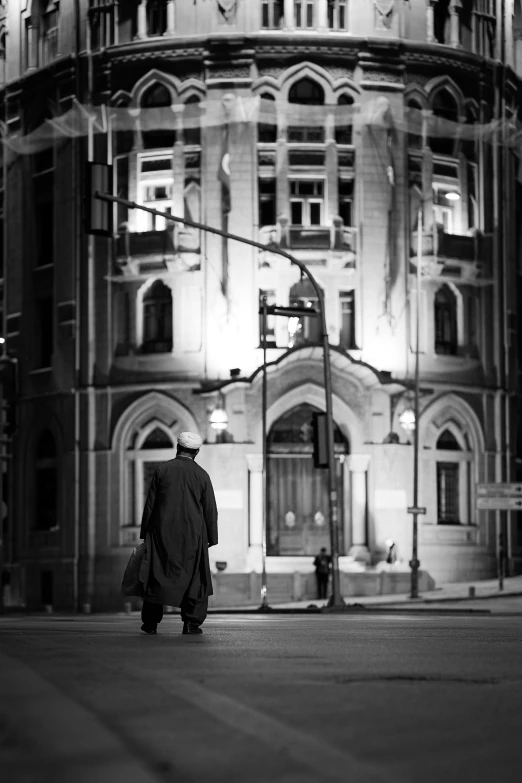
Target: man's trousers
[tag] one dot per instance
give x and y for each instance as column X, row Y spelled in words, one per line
column 192, row 611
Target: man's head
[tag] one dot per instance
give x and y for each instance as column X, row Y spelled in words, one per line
column 323, row 550
column 188, row 444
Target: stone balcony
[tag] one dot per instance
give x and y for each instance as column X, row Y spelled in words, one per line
column 337, row 238
column 136, row 251
column 453, row 255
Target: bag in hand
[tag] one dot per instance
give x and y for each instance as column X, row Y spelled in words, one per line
column 131, row 583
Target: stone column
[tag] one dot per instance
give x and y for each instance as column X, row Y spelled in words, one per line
column 289, row 22
column 142, row 20
column 32, row 44
column 171, row 18
column 454, row 23
column 358, row 466
column 255, row 512
column 322, row 15
column 430, row 31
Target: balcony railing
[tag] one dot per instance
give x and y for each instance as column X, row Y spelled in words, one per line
column 335, row 237
column 145, row 243
column 453, row 248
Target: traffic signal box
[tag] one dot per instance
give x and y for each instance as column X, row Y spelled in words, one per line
column 8, row 394
column 98, row 213
column 320, row 440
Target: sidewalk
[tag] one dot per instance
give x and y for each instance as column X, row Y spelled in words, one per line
column 449, row 597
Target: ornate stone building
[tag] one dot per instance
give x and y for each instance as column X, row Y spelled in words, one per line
column 123, row 341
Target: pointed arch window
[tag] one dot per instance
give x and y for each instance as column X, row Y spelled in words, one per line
column 267, row 131
column 157, row 319
column 157, row 97
column 308, row 92
column 445, row 322
column 444, row 106
column 344, row 131
column 46, row 481
column 192, row 121
column 453, row 478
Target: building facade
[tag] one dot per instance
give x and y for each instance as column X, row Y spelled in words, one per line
column 200, row 107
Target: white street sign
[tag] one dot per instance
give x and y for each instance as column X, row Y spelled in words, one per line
column 500, row 490
column 499, row 504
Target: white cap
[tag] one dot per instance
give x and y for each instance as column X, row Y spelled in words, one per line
column 189, row 440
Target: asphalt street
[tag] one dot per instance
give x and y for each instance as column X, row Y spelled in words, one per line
column 299, row 699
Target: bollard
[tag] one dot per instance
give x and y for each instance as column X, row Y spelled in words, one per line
column 86, row 608
column 471, row 591
column 128, row 607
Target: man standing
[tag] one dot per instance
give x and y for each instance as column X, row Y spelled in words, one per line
column 179, row 524
column 322, row 572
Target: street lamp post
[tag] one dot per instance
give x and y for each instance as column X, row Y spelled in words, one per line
column 336, row 599
column 264, row 594
column 415, row 511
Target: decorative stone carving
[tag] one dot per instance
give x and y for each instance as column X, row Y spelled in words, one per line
column 228, row 10
column 384, row 13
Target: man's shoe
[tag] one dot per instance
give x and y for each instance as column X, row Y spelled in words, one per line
column 148, row 629
column 191, row 628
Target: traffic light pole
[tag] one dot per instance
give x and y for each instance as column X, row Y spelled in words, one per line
column 336, row 599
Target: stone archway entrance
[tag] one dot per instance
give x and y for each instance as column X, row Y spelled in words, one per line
column 298, row 508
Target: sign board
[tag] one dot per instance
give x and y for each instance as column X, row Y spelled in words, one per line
column 499, row 504
column 416, row 510
column 500, row 490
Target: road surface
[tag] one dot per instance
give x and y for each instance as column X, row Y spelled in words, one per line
column 293, row 699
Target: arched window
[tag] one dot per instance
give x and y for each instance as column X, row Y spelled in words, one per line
column 156, row 97
column 414, row 139
column 297, row 519
column 157, row 319
column 441, row 21
column 445, row 106
column 344, row 131
column 46, row 489
column 156, row 17
column 445, row 322
column 304, row 329
column 309, row 93
column 267, row 131
column 449, row 480
column 192, row 121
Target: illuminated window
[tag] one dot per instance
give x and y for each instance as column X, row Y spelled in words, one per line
column 338, row 14
column 46, row 484
column 49, row 31
column 271, row 14
column 347, row 330
column 304, row 14
column 485, row 27
column 445, row 322
column 101, row 24
column 155, row 184
column 157, row 319
column 306, row 202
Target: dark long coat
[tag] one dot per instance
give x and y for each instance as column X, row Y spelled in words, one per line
column 179, row 524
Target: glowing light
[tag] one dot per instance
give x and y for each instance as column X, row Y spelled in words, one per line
column 407, row 420
column 452, row 196
column 219, row 418
column 2, row 340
